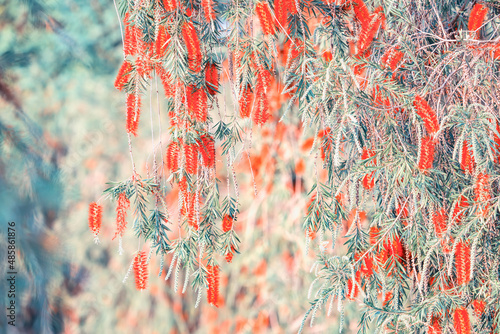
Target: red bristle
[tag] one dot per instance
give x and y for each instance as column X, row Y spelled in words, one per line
column 476, row 18
column 208, row 9
column 462, row 262
column 192, row 210
column 263, row 12
column 426, row 154
column 461, row 321
column 170, row 5
column 291, row 6
column 229, row 255
column 212, row 78
column 227, row 223
column 193, row 46
column 133, row 113
column 458, row 209
column 141, row 270
column 479, row 306
column 434, row 327
column 122, row 205
column 367, row 34
column 327, row 56
column 467, row 163
column 95, row 218
column 172, row 157
column 482, row 192
column 439, row 220
column 367, row 268
column 261, row 114
column 427, row 114
column 191, row 156
column 144, row 66
column 162, row 41
column 130, row 38
column 123, row 75
column 374, row 234
column 387, row 299
column 213, row 285
column 391, row 58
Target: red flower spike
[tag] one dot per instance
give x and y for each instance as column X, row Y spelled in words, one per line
column 133, row 113
column 374, row 234
column 166, row 81
column 435, row 327
column 367, row 35
column 361, row 12
column 291, row 6
column 227, row 223
column 479, row 306
column 207, row 150
column 476, row 18
column 192, row 212
column 95, row 218
column 193, row 46
column 462, row 262
column 261, row 114
column 130, row 38
column 482, row 188
column 141, row 270
column 459, row 207
column 461, row 321
column 281, row 12
column 191, row 155
column 170, row 5
column 197, row 104
column 208, row 9
column 172, row 156
column 468, row 163
column 213, row 285
column 368, row 180
column 123, row 75
column 391, row 58
column 212, row 78
column 229, row 257
column 265, row 17
column 427, row 114
column 245, row 103
column 439, row 220
column 162, row 41
column 123, row 204
column 426, row 154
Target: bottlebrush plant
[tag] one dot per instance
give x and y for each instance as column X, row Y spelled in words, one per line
column 399, row 107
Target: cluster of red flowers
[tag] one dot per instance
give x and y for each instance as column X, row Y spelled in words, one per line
column 476, row 18
column 213, row 285
column 263, row 12
column 462, row 259
column 482, row 192
column 193, row 46
column 461, row 321
column 140, row 270
column 467, row 161
column 426, row 154
column 95, row 217
column 392, row 58
column 427, row 114
column 282, row 8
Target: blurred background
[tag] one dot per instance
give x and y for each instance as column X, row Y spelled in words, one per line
column 62, row 137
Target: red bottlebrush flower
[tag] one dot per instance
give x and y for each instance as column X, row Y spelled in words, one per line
column 391, row 58
column 426, row 154
column 261, row 114
column 193, row 46
column 281, row 12
column 479, row 306
column 170, row 5
column 144, row 66
column 166, row 81
column 141, row 270
column 482, row 191
column 461, row 321
column 367, row 34
column 227, row 223
column 291, row 5
column 368, row 180
column 130, row 38
column 327, row 56
column 162, row 41
column 133, row 113
column 207, row 145
column 435, row 327
column 213, row 285
column 367, row 268
column 229, row 257
column 197, row 104
column 458, row 210
column 212, row 78
column 265, row 17
column 439, row 220
column 95, row 218
column 123, row 75
column 192, row 210
column 427, row 114
column 476, row 18
column 361, row 12
column 467, row 162
column 123, row 204
column 191, row 155
column 396, row 248
column 245, row 103
column 462, row 262
column 172, row 157
column 208, row 9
